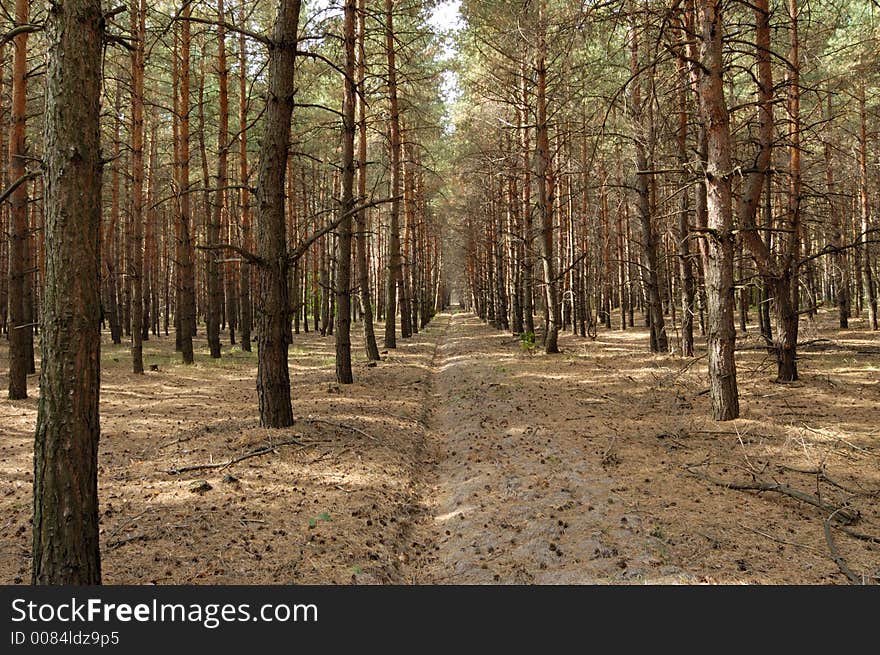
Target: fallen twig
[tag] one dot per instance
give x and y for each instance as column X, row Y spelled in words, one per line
column 837, row 557
column 236, row 460
column 778, row 539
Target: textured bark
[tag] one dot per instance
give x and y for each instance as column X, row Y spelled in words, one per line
column 393, row 278
column 273, row 301
column 343, row 243
column 19, row 236
column 718, row 265
column 65, row 526
column 372, row 349
column 186, row 307
column 136, row 265
column 545, row 191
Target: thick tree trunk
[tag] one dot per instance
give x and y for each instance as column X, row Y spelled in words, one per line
column 719, row 237
column 343, row 244
column 65, row 525
column 19, row 331
column 273, row 301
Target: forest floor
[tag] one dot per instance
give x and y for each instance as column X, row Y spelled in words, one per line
column 465, row 458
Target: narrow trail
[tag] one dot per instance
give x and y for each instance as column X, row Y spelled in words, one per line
column 511, row 498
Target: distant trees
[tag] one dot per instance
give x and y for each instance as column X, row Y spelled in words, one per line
column 657, row 206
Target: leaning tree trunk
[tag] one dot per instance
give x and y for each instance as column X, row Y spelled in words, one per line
column 719, row 236
column 65, row 525
column 273, row 302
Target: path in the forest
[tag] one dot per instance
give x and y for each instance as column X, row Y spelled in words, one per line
column 515, row 495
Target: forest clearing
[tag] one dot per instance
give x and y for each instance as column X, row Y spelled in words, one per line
column 465, row 459
column 440, row 292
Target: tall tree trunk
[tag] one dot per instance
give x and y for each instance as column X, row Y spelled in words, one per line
column 869, row 290
column 343, row 244
column 719, row 237
column 787, row 291
column 659, row 341
column 545, row 190
column 151, row 303
column 273, row 301
column 65, row 525
column 186, row 307
column 215, row 283
column 370, row 345
column 528, row 226
column 244, row 282
column 686, row 271
column 393, row 278
column 136, row 265
column 839, row 268
column 19, row 331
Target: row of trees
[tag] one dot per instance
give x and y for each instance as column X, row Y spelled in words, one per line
column 692, row 160
column 190, row 219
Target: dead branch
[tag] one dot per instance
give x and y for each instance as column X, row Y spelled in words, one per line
column 837, row 557
column 841, row 514
column 236, row 460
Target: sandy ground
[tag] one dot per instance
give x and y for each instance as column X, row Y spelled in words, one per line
column 463, row 458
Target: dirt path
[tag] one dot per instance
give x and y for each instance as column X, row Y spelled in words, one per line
column 462, row 458
column 513, row 498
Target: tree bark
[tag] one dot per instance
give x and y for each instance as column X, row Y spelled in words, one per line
column 244, row 282
column 186, row 308
column 19, row 331
column 343, row 244
column 545, row 191
column 719, row 236
column 136, row 265
column 273, row 301
column 393, row 277
column 65, row 525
